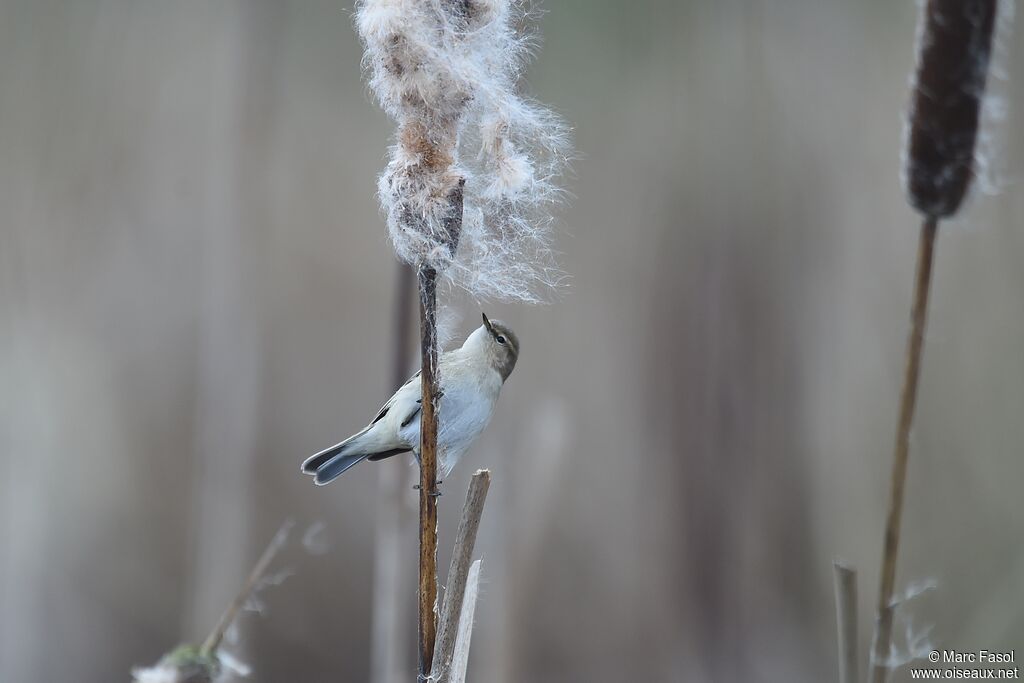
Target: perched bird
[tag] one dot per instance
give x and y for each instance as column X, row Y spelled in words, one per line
column 471, row 379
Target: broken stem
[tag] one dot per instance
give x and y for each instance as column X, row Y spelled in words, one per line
column 458, row 572
column 460, row 657
column 845, row 578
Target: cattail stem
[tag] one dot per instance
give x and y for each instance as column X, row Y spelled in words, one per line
column 427, row 596
column 212, row 642
column 908, row 399
column 845, row 579
column 458, row 572
column 430, row 381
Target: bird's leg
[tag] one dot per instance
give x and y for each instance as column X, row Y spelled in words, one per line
column 435, row 494
column 437, row 483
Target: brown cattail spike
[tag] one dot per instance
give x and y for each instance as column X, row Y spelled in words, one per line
column 955, row 42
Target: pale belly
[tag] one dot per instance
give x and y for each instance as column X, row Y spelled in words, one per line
column 462, row 416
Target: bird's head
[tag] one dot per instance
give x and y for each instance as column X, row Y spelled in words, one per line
column 498, row 343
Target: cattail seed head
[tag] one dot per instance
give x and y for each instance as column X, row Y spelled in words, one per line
column 954, row 44
column 468, row 143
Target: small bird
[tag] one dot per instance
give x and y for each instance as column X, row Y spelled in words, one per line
column 471, row 379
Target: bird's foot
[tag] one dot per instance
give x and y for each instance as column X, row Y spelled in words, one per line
column 435, row 493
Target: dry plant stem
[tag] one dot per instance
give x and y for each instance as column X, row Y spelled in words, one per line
column 430, row 383
column 458, row 572
column 846, row 620
column 908, row 398
column 427, row 595
column 460, row 658
column 213, row 640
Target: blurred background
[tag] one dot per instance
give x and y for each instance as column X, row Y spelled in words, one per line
column 196, row 293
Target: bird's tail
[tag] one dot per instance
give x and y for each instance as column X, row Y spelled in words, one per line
column 329, row 464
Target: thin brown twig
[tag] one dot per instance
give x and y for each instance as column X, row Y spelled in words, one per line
column 845, row 578
column 908, row 398
column 462, row 557
column 212, row 642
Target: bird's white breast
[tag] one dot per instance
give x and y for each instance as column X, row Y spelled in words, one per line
column 469, row 393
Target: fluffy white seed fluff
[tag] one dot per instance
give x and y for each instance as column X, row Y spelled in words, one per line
column 917, row 638
column 447, row 71
column 156, row 674
column 190, row 668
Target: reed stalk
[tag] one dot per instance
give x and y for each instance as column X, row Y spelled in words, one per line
column 427, row 593
column 458, row 572
column 430, row 381
column 908, row 401
column 460, row 655
column 845, row 580
column 954, row 47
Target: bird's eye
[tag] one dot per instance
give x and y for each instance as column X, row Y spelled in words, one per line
column 501, row 339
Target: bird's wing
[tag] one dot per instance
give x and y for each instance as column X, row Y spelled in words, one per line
column 413, row 409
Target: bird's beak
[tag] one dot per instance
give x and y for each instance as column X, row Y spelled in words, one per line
column 487, row 323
